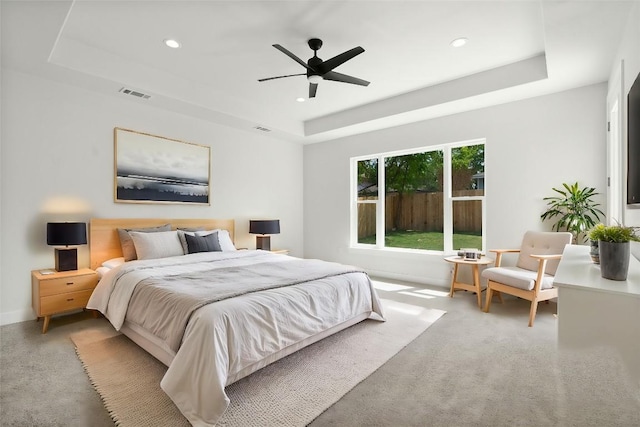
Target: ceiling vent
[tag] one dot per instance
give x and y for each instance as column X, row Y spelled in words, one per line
column 262, row 129
column 134, row 93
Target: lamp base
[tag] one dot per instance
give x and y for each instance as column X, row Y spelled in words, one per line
column 263, row 242
column 66, row 259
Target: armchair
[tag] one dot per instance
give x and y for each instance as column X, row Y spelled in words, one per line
column 532, row 277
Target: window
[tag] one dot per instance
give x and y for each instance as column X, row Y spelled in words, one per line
column 433, row 198
column 367, row 200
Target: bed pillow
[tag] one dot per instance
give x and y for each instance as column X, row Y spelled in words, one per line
column 128, row 248
column 102, row 271
column 183, row 240
column 113, row 262
column 192, row 229
column 208, row 243
column 161, row 244
column 224, row 239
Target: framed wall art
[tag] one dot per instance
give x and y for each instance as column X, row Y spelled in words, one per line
column 155, row 169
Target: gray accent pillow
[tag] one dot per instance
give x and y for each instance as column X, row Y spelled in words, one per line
column 223, row 238
column 128, row 248
column 192, row 229
column 208, row 243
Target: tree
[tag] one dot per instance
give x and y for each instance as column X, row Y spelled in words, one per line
column 466, row 161
column 367, row 176
column 422, row 172
column 412, row 172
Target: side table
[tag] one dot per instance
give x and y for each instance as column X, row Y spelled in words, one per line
column 60, row 292
column 475, row 287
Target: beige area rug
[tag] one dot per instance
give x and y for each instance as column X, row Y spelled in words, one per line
column 290, row 392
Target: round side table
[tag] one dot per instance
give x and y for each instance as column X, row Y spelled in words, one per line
column 475, row 287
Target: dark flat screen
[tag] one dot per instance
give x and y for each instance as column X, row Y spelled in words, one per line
column 633, row 144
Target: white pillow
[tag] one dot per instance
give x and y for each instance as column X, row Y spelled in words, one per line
column 102, row 271
column 223, row 238
column 113, row 262
column 162, row 244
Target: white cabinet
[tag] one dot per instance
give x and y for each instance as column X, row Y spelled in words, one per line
column 596, row 312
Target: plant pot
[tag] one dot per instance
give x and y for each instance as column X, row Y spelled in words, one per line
column 595, row 252
column 614, row 260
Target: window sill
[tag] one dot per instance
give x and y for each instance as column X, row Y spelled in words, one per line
column 400, row 252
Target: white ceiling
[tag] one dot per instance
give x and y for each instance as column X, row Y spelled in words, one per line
column 516, row 49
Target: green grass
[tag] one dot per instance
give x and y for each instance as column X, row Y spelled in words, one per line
column 427, row 240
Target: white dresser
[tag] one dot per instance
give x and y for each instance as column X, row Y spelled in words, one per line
column 593, row 311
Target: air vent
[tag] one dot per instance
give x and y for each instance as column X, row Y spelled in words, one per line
column 134, row 93
column 262, row 129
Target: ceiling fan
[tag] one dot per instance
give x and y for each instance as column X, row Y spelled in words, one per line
column 318, row 70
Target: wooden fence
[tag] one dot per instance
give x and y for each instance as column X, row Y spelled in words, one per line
column 421, row 212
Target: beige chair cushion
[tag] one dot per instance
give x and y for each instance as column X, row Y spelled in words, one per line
column 517, row 277
column 542, row 243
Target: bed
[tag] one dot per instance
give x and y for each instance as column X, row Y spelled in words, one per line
column 218, row 314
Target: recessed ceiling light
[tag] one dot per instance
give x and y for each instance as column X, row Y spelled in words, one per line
column 174, row 44
column 300, row 99
column 459, row 42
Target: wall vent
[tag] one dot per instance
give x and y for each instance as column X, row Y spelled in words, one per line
column 134, row 93
column 263, row 129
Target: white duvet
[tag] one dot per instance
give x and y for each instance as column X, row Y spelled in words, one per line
column 228, row 339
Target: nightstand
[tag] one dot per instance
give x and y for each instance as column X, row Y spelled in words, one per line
column 280, row 251
column 61, row 291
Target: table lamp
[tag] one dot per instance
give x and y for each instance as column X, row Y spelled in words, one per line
column 65, row 234
column 264, row 227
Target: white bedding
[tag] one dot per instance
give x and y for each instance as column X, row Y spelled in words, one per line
column 225, row 339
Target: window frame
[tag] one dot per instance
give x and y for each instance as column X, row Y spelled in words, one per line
column 448, row 198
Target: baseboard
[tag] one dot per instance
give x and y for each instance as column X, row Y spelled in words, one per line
column 16, row 316
column 441, row 283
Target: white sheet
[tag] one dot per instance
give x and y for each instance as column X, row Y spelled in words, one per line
column 242, row 330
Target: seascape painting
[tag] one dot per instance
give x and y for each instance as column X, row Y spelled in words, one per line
column 154, row 169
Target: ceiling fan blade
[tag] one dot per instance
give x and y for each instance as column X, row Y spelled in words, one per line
column 338, row 77
column 281, row 77
column 313, row 87
column 292, row 56
column 332, row 63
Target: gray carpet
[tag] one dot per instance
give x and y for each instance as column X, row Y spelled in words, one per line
column 468, row 369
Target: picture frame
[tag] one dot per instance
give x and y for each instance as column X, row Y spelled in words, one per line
column 155, row 169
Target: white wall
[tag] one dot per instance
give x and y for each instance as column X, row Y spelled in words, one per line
column 57, row 164
column 531, row 146
column 629, row 52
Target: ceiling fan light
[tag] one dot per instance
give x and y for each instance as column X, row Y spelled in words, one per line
column 314, row 78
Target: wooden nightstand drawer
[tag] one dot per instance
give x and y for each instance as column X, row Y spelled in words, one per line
column 64, row 302
column 67, row 284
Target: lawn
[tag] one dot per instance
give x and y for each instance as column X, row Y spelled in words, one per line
column 429, row 240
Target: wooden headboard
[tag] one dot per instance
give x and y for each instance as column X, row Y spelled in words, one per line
column 104, row 242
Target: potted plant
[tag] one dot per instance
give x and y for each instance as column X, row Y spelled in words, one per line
column 613, row 242
column 575, row 208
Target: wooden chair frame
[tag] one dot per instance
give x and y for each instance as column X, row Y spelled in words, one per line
column 535, row 295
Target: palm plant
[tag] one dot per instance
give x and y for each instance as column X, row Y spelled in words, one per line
column 576, row 211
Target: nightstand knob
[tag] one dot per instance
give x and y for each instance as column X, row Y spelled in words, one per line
column 69, row 299
column 69, row 283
